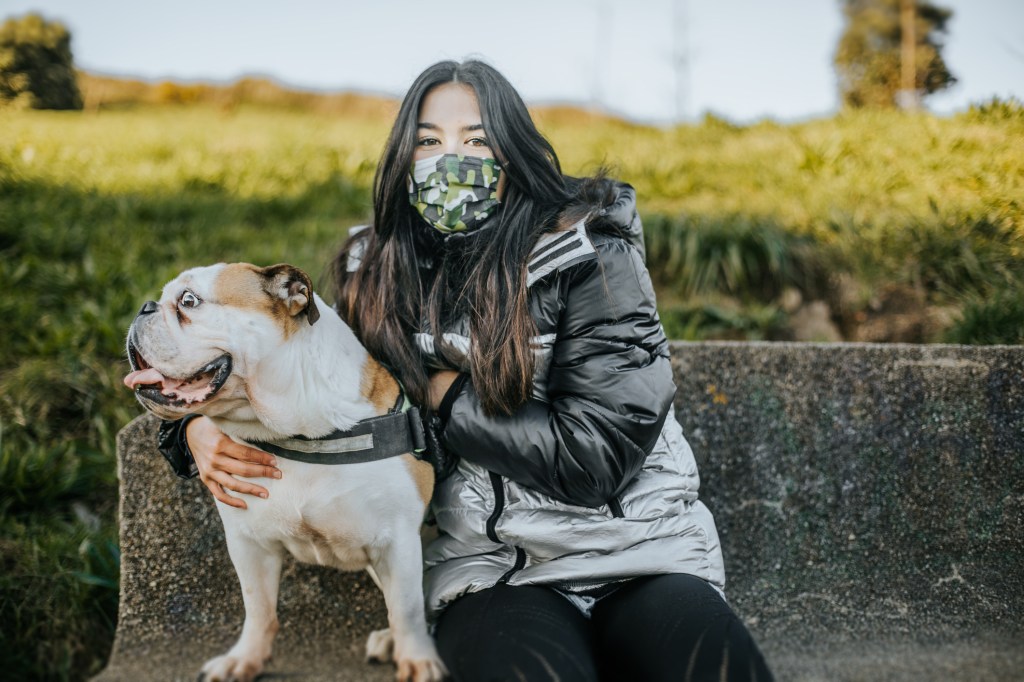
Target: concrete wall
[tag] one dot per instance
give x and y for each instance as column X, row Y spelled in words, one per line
column 870, row 501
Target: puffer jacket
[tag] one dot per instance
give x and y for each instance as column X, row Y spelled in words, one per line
column 591, row 481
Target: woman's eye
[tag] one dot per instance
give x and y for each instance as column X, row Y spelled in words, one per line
column 478, row 142
column 189, row 300
column 428, row 142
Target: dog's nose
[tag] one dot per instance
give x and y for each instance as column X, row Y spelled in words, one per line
column 148, row 308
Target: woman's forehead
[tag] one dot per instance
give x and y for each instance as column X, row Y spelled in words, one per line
column 450, row 104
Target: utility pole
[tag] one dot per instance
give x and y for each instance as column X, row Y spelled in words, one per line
column 908, row 98
column 681, row 58
column 603, row 44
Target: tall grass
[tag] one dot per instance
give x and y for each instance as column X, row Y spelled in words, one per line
column 98, row 210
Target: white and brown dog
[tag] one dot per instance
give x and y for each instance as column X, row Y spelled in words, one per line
column 238, row 344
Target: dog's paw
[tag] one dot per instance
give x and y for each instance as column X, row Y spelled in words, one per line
column 421, row 670
column 230, row 669
column 380, row 645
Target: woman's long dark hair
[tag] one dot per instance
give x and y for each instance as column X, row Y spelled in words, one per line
column 481, row 275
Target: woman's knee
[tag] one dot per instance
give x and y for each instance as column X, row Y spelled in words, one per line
column 725, row 650
column 676, row 627
column 516, row 633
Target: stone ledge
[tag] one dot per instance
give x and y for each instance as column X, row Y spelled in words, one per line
column 870, row 500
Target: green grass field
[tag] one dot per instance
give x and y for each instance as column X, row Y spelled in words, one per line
column 98, row 210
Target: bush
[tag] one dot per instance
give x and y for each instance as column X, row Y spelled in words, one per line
column 995, row 110
column 948, row 257
column 36, row 70
column 722, row 319
column 735, row 255
column 995, row 318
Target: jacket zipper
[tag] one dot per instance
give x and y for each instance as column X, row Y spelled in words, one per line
column 499, row 506
column 517, row 566
column 492, row 531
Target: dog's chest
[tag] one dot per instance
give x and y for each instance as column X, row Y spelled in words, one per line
column 327, row 515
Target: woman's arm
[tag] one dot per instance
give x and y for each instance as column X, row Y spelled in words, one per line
column 194, row 446
column 609, row 390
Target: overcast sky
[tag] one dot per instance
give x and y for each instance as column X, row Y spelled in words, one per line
column 747, row 59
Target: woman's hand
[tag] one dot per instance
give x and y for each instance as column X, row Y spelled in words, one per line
column 440, row 382
column 219, row 459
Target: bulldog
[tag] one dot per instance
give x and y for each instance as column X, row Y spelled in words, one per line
column 259, row 353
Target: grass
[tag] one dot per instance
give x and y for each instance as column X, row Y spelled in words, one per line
column 98, row 210
column 94, row 222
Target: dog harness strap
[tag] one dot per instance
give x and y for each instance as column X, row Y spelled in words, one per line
column 370, row 440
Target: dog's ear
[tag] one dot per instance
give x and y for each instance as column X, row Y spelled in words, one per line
column 292, row 286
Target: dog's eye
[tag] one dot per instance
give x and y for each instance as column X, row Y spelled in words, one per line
column 189, row 300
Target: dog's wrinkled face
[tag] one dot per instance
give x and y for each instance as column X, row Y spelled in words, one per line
column 193, row 350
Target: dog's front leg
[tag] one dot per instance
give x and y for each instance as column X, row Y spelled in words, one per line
column 399, row 567
column 259, row 573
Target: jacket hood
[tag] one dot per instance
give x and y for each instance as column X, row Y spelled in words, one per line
column 623, row 214
column 622, row 211
column 610, row 207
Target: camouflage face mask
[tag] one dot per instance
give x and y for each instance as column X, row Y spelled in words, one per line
column 454, row 193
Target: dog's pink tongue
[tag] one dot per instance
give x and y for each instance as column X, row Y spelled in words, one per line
column 141, row 377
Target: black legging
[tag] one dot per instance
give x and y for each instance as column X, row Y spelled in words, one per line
column 666, row 627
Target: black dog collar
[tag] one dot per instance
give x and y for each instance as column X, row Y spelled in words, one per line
column 389, row 435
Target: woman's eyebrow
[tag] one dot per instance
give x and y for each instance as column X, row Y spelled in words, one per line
column 465, row 129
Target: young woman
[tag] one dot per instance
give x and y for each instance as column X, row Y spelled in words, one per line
column 513, row 302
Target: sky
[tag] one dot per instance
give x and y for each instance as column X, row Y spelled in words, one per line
column 745, row 60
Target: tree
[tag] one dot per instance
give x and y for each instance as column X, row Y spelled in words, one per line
column 36, row 69
column 868, row 61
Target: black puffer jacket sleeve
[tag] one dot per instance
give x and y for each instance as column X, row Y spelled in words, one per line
column 609, row 390
column 173, row 446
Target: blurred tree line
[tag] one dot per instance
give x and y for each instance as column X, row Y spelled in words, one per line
column 36, row 67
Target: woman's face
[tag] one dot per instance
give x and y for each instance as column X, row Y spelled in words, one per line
column 450, row 123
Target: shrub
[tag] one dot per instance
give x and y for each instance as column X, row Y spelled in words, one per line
column 715, row 318
column 995, row 110
column 736, row 255
column 995, row 318
column 36, row 70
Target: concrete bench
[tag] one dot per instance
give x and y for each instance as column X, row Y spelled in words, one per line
column 870, row 501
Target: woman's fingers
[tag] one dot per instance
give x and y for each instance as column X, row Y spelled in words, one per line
column 221, row 495
column 250, row 461
column 244, row 452
column 228, row 463
column 219, row 482
column 221, row 459
column 229, row 482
